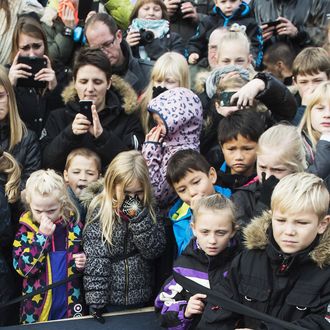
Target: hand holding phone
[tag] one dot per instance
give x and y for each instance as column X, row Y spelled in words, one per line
column 225, row 99
column 272, row 23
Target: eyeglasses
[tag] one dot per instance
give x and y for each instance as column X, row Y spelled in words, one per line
column 3, row 97
column 108, row 44
column 34, row 46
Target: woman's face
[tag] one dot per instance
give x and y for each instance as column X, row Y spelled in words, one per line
column 3, row 103
column 150, row 11
column 320, row 117
column 168, row 82
column 30, row 46
column 91, row 84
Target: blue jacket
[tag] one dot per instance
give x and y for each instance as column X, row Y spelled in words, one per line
column 181, row 227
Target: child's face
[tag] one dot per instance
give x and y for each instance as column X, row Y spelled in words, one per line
column 135, row 188
column 307, row 83
column 159, row 122
column 232, row 53
column 269, row 163
column 240, row 155
column 320, row 117
column 45, row 205
column 168, row 82
column 227, row 6
column 81, row 172
column 213, row 230
column 195, row 184
column 150, row 11
column 294, row 232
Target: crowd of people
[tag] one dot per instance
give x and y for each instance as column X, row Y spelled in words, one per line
column 146, row 141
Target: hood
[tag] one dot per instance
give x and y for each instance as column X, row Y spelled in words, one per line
column 126, row 94
column 92, row 190
column 255, row 235
column 182, row 112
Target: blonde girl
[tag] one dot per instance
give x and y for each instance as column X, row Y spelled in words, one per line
column 315, row 128
column 169, row 71
column 121, row 238
column 47, row 249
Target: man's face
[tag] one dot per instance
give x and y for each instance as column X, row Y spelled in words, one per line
column 99, row 36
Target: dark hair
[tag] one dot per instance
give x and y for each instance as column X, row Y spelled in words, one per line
column 92, row 56
column 105, row 19
column 280, row 51
column 185, row 161
column 140, row 3
column 247, row 123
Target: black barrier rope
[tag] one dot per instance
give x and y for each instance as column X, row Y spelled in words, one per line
column 230, row 304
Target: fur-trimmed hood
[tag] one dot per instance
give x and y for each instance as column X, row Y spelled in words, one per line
column 255, row 235
column 126, row 94
column 92, row 190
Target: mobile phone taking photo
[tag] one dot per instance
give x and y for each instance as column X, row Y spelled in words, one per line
column 36, row 64
column 272, row 23
column 86, row 109
column 225, row 98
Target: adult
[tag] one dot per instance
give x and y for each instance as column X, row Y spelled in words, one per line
column 34, row 103
column 302, row 22
column 102, row 32
column 113, row 129
column 14, row 137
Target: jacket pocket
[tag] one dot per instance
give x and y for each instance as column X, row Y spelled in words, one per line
column 302, row 299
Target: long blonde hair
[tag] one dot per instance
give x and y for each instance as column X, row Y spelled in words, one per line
column 123, row 170
column 320, row 94
column 170, row 63
column 49, row 183
column 11, row 169
column 16, row 125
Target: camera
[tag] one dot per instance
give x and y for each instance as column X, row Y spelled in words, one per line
column 178, row 14
column 147, row 37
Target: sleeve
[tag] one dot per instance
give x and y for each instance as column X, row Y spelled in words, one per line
column 30, row 250
column 277, row 98
column 148, row 236
column 171, row 305
column 98, row 266
column 321, row 165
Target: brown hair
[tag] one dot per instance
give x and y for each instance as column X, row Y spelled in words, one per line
column 140, row 3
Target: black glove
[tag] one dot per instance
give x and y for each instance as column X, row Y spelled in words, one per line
column 96, row 311
column 131, row 206
column 267, row 189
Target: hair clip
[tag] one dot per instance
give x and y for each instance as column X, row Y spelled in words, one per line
column 237, row 28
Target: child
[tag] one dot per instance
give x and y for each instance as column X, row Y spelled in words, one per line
column 310, row 68
column 47, row 249
column 10, row 175
column 226, row 13
column 315, row 128
column 280, row 152
column 149, row 32
column 206, row 259
column 192, row 177
column 169, row 71
column 82, row 167
column 178, row 116
column 284, row 271
column 121, row 238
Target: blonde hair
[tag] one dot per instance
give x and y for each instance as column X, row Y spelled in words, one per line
column 49, row 183
column 286, row 140
column 123, row 170
column 10, row 167
column 170, row 63
column 16, row 125
column 215, row 202
column 321, row 93
column 86, row 153
column 301, row 192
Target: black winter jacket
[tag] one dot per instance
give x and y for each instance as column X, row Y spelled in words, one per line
column 308, row 16
column 294, row 288
column 121, row 127
column 27, row 152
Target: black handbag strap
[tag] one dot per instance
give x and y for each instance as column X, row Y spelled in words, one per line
column 40, row 291
column 230, row 304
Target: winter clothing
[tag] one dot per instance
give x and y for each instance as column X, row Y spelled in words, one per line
column 308, row 16
column 35, row 258
column 121, row 273
column 181, row 224
column 121, row 127
column 242, row 16
column 201, row 268
column 294, row 288
column 26, row 152
column 181, row 111
column 120, row 10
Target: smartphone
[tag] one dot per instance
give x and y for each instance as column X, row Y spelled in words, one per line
column 36, row 64
column 225, row 99
column 86, row 109
column 272, row 23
